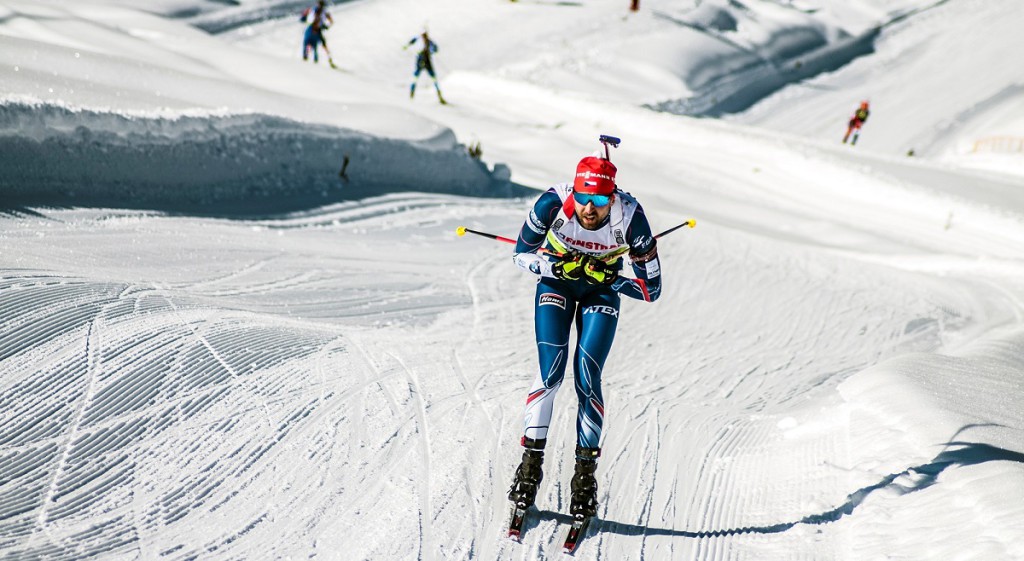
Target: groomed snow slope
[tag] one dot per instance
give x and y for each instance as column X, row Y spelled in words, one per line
column 937, row 85
column 831, row 374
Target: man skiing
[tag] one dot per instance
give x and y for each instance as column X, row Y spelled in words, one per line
column 424, row 62
column 574, row 240
column 860, row 116
column 314, row 36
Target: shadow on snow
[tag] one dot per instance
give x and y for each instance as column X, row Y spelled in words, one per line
column 957, row 454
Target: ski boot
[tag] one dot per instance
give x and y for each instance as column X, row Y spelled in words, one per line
column 584, row 485
column 523, row 492
column 529, row 474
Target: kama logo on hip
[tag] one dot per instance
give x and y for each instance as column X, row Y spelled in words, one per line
column 601, row 310
column 552, row 299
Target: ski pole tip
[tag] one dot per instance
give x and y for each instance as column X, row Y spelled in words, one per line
column 693, row 222
column 460, row 231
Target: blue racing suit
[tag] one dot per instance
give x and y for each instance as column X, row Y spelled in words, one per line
column 424, row 62
column 593, row 308
column 314, row 35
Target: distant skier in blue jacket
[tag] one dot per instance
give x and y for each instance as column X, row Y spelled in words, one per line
column 575, row 240
column 424, row 61
column 319, row 20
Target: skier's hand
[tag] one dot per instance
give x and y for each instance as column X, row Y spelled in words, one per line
column 570, row 266
column 598, row 272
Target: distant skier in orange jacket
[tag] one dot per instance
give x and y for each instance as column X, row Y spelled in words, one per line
column 860, row 116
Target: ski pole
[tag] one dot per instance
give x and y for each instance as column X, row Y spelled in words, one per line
column 691, row 223
column 461, row 231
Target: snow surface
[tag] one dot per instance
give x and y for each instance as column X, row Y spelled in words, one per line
column 213, row 346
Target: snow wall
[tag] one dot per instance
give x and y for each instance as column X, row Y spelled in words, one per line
column 52, row 154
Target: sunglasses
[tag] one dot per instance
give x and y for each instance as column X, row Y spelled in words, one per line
column 587, row 198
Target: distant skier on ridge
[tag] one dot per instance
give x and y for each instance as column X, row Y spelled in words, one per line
column 424, row 61
column 860, row 116
column 574, row 240
column 314, row 36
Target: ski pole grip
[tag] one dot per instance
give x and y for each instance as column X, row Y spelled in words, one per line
column 691, row 223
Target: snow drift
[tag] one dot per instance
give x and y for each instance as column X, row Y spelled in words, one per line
column 55, row 154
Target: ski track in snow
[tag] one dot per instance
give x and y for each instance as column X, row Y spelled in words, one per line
column 199, row 396
column 199, row 368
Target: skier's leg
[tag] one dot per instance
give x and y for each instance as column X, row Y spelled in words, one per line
column 439, row 96
column 596, row 320
column 323, row 41
column 851, row 127
column 307, row 43
column 553, row 319
column 415, row 77
column 856, row 135
column 425, row 64
column 552, row 322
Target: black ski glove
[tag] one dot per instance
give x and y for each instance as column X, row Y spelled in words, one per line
column 598, row 272
column 570, row 266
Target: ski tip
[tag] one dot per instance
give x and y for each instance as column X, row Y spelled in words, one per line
column 460, row 231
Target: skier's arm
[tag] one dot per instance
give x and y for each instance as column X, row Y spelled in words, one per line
column 643, row 250
column 533, row 233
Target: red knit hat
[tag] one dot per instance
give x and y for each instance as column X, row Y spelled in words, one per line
column 595, row 175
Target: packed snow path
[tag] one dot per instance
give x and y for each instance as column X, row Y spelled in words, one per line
column 210, row 388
